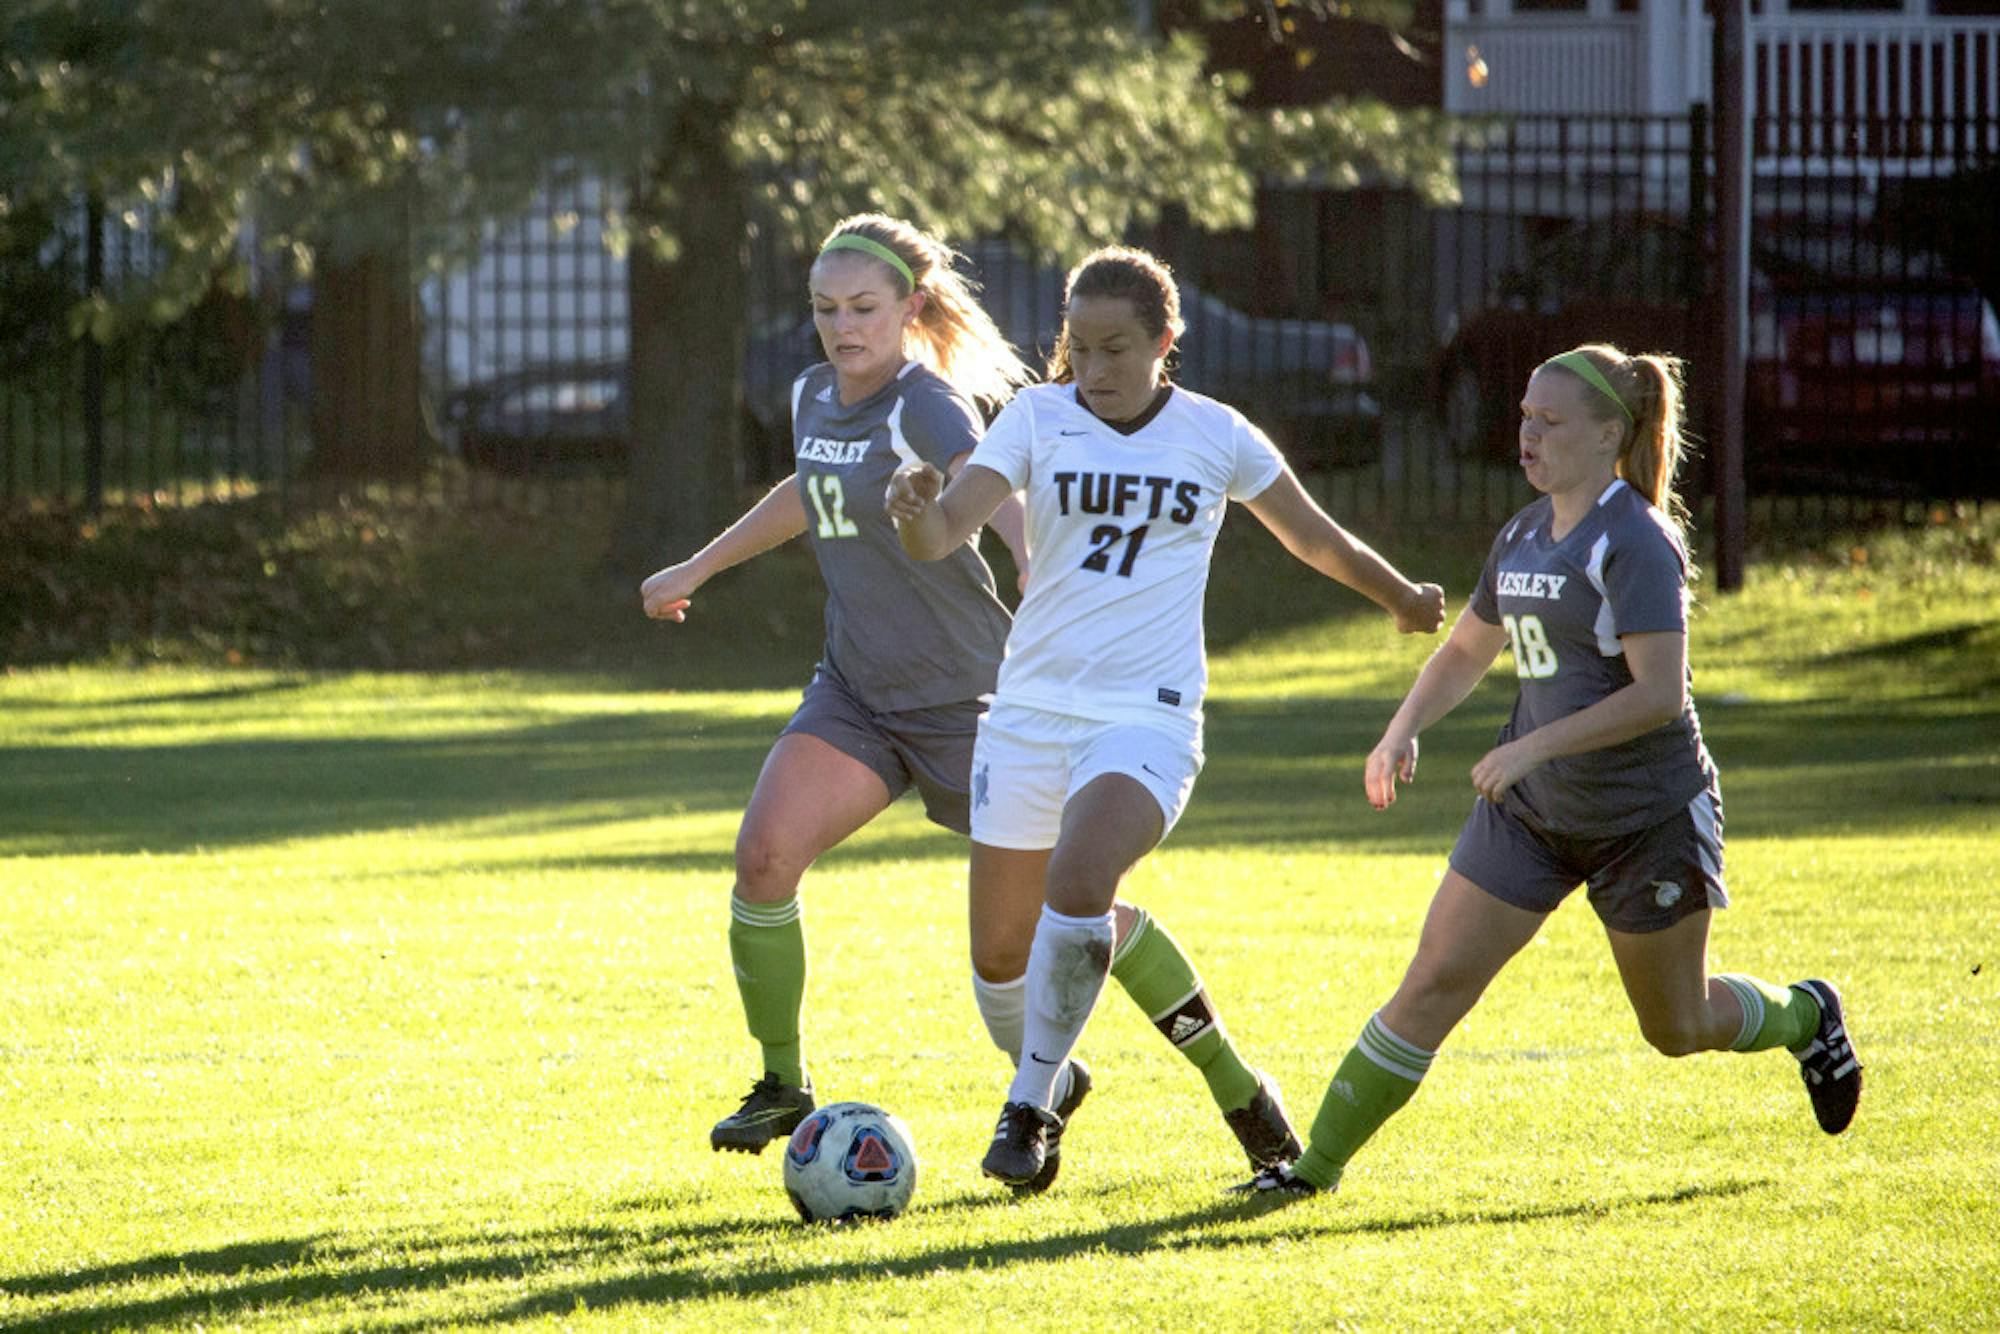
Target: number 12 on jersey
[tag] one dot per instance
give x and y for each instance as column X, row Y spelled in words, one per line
column 1534, row 658
column 830, row 502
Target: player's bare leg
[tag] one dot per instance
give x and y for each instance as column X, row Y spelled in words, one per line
column 1680, row 1008
column 1468, row 937
column 809, row 797
column 1683, row 1009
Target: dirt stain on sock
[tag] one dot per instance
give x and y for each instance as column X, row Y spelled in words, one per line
column 1076, row 977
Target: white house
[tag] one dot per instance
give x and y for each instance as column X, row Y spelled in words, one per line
column 1893, row 59
column 1855, row 92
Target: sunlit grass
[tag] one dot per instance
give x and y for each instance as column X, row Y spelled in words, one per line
column 401, row 1001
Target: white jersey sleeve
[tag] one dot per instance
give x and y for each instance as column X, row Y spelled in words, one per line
column 1258, row 461
column 1008, row 445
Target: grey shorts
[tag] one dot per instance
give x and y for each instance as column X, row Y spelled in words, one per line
column 1639, row 882
column 929, row 749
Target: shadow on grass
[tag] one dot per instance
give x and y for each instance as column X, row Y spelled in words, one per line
column 681, row 1262
column 1950, row 639
column 1281, row 774
column 1284, row 773
column 68, row 800
column 216, row 695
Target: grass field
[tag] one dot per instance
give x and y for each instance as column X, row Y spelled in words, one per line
column 399, row 1002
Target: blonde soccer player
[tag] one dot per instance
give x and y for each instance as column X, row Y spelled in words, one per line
column 1599, row 778
column 911, row 652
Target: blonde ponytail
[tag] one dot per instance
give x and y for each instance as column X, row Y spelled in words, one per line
column 1651, row 404
column 954, row 335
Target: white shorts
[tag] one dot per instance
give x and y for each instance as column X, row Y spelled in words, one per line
column 1027, row 764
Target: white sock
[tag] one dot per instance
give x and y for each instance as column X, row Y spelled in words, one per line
column 1067, row 966
column 1000, row 1005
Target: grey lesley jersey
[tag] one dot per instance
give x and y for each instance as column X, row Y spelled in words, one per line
column 1564, row 604
column 902, row 633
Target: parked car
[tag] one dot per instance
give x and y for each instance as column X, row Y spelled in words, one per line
column 575, row 416
column 1899, row 391
column 1308, row 382
column 552, row 417
column 1866, row 365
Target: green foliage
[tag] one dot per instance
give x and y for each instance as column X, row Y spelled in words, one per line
column 360, row 582
column 315, row 127
column 397, row 1002
column 394, row 582
column 276, row 135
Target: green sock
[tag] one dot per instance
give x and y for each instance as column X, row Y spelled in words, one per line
column 1162, row 982
column 767, row 944
column 1773, row 1016
column 1377, row 1076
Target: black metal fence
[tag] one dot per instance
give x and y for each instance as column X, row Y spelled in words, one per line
column 1383, row 343
column 209, row 405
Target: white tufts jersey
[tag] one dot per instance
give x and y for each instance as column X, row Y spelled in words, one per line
column 1122, row 520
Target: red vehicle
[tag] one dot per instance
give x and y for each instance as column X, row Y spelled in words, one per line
column 1867, row 367
column 1896, row 388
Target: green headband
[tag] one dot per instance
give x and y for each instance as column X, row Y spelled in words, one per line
column 1578, row 364
column 870, row 246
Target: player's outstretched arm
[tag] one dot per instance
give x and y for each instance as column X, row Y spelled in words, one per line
column 1010, row 521
column 776, row 519
column 1459, row 664
column 1296, row 520
column 935, row 520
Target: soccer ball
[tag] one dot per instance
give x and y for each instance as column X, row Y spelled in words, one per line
column 850, row 1160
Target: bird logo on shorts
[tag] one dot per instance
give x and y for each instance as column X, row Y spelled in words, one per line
column 1666, row 893
column 979, row 788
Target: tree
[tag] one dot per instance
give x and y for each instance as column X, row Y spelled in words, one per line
column 371, row 127
column 349, row 141
column 1065, row 125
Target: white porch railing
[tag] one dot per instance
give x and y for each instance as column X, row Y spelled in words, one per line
column 1657, row 61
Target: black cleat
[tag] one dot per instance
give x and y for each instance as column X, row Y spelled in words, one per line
column 1079, row 1086
column 1276, row 1185
column 1263, row 1129
column 1828, row 1064
column 1020, row 1145
column 772, row 1111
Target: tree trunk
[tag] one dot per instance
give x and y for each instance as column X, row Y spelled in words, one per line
column 686, row 351
column 367, row 412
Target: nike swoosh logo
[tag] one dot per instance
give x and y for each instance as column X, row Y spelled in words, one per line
column 1039, row 1059
column 1072, row 433
column 1154, row 772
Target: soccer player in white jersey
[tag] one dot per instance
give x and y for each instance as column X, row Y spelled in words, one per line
column 1599, row 778
column 911, row 653
column 1091, row 748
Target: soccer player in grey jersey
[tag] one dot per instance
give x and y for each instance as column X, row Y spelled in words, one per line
column 1600, row 776
column 911, row 650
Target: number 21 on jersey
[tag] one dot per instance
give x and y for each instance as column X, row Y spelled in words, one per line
column 830, row 504
column 1534, row 657
column 1105, row 537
